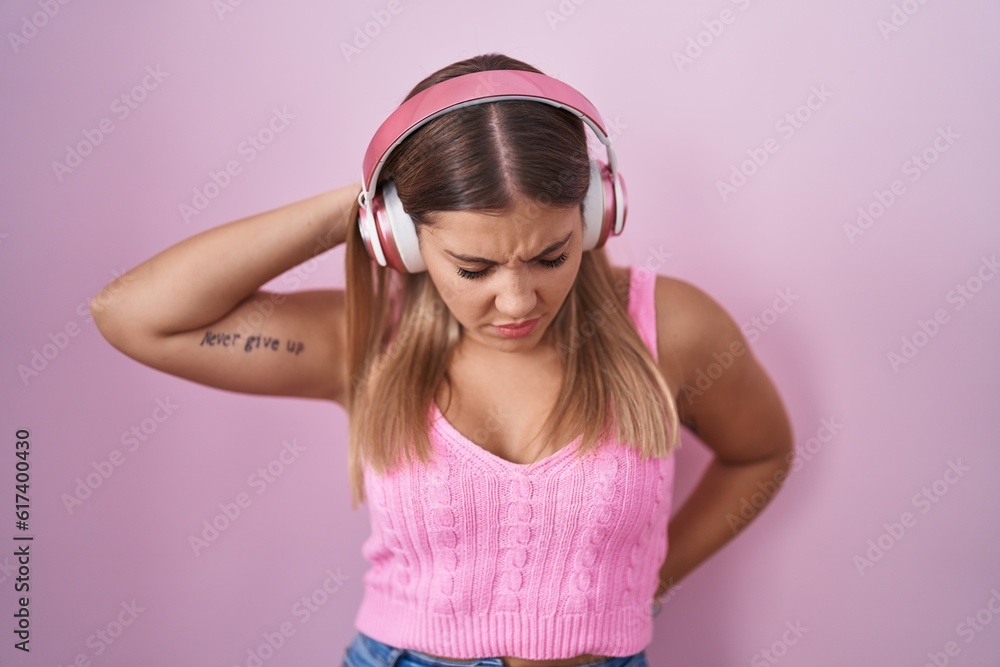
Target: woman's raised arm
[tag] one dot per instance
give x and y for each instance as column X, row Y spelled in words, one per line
column 195, row 310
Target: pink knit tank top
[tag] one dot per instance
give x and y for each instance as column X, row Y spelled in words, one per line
column 474, row 556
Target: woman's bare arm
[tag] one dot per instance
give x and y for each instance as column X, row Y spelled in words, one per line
column 196, row 310
column 739, row 416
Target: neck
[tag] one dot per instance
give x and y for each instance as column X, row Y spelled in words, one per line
column 469, row 349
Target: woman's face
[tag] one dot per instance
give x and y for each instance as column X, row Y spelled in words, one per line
column 494, row 270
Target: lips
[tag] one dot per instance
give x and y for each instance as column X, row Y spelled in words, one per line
column 518, row 325
column 519, row 330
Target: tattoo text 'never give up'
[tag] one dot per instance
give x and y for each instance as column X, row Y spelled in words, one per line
column 250, row 343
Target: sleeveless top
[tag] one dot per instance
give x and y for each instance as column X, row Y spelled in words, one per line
column 474, row 556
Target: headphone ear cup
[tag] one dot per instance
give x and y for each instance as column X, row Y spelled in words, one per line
column 621, row 203
column 600, row 208
column 366, row 226
column 396, row 231
column 593, row 208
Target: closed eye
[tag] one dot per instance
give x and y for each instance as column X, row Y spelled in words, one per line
column 550, row 263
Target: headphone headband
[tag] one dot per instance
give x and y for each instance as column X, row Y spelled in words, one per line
column 390, row 234
column 469, row 90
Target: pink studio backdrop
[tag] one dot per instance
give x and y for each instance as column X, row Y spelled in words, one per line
column 827, row 171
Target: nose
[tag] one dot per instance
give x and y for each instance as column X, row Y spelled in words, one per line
column 516, row 296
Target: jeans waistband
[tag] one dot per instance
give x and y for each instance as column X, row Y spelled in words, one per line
column 386, row 655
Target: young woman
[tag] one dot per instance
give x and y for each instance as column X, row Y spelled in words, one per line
column 514, row 402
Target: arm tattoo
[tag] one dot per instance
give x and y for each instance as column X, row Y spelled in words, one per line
column 250, row 343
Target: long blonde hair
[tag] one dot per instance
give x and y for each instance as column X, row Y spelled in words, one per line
column 401, row 335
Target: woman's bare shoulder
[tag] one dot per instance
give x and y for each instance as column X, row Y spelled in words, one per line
column 684, row 312
column 692, row 326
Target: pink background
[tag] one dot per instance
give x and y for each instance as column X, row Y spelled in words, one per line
column 681, row 129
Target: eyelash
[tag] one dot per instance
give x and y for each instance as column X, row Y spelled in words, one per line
column 550, row 263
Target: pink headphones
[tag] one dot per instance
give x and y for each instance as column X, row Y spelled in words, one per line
column 389, row 233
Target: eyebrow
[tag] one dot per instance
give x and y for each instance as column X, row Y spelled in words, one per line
column 482, row 260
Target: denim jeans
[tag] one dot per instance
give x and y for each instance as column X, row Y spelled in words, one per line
column 366, row 651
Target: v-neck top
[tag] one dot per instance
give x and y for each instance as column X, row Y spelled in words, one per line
column 474, row 556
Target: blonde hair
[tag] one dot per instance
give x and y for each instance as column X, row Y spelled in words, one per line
column 401, row 335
